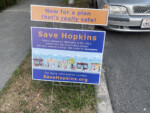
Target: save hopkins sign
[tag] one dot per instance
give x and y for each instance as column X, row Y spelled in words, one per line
column 65, row 55
column 69, row 15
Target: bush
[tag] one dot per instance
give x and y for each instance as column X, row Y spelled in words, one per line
column 6, row 3
column 2, row 4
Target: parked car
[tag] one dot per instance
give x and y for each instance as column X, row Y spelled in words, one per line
column 126, row 15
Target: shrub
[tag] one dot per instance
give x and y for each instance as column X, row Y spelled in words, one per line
column 6, row 3
column 2, row 4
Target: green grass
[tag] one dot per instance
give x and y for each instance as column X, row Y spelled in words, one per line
column 28, row 93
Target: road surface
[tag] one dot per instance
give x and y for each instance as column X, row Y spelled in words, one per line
column 127, row 70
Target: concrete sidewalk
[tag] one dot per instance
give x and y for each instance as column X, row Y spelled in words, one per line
column 15, row 38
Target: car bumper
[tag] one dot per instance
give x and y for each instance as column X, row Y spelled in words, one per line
column 127, row 23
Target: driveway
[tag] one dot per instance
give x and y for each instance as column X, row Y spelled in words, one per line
column 15, row 35
column 127, row 70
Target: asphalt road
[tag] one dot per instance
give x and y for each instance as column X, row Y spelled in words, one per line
column 15, row 36
column 127, row 70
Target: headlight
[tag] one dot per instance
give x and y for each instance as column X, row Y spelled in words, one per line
column 118, row 10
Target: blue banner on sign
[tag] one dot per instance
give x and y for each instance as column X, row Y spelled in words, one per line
column 67, row 55
column 60, row 76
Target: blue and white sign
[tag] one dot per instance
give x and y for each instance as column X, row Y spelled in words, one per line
column 64, row 55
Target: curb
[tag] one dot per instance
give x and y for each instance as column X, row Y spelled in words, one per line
column 101, row 90
column 102, row 95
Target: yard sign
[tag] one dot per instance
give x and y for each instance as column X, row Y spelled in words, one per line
column 69, row 15
column 65, row 55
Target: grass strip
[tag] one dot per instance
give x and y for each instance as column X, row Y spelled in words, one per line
column 22, row 94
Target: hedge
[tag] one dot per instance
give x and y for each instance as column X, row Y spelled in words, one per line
column 6, row 3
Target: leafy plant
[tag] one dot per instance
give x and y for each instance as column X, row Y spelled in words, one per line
column 6, row 3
